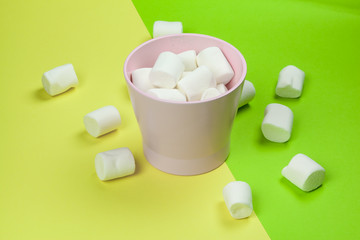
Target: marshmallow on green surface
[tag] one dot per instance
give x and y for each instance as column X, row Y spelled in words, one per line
column 59, row 79
column 210, row 93
column 102, row 120
column 162, row 28
column 215, row 60
column 238, row 199
column 189, row 59
column 196, row 82
column 114, row 164
column 304, row 172
column 140, row 78
column 167, row 70
column 167, row 94
column 247, row 94
column 277, row 123
column 290, row 82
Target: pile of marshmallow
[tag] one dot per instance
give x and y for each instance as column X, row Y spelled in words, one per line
column 186, row 76
column 195, row 77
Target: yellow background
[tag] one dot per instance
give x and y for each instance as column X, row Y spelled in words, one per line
column 48, row 185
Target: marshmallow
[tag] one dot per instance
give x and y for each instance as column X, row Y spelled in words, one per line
column 304, row 172
column 214, row 59
column 277, row 123
column 167, row 70
column 210, row 93
column 195, row 83
column 114, row 164
column 184, row 74
column 167, row 94
column 102, row 120
column 290, row 82
column 59, row 79
column 189, row 59
column 222, row 88
column 247, row 94
column 140, row 78
column 162, row 28
column 238, row 199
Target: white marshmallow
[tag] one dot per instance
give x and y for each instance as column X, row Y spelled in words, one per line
column 247, row 94
column 195, row 83
column 102, row 120
column 167, row 94
column 214, row 59
column 304, row 172
column 238, row 199
column 189, row 60
column 162, row 28
column 210, row 93
column 184, row 74
column 277, row 123
column 222, row 88
column 140, row 78
column 167, row 70
column 290, row 82
column 114, row 164
column 59, row 79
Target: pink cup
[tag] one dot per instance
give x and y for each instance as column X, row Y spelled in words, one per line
column 185, row 138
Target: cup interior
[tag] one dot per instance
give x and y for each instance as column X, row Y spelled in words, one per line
column 146, row 54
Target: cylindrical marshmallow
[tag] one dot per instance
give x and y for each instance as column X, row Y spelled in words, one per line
column 59, row 79
column 222, row 88
column 214, row 59
column 290, row 82
column 102, row 120
column 189, row 60
column 210, row 93
column 140, row 78
column 247, row 94
column 114, row 163
column 167, row 70
column 196, row 82
column 167, row 94
column 238, row 199
column 184, row 74
column 277, row 123
column 162, row 28
column 304, row 172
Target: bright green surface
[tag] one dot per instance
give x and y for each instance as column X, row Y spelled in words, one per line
column 322, row 39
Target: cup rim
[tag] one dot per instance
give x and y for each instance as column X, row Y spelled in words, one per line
column 242, row 76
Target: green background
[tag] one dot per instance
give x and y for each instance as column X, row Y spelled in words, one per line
column 321, row 38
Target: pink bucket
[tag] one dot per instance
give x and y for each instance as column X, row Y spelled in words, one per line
column 185, row 138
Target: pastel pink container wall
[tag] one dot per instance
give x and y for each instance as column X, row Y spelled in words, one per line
column 192, row 137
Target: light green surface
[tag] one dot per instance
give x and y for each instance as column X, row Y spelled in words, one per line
column 321, row 38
